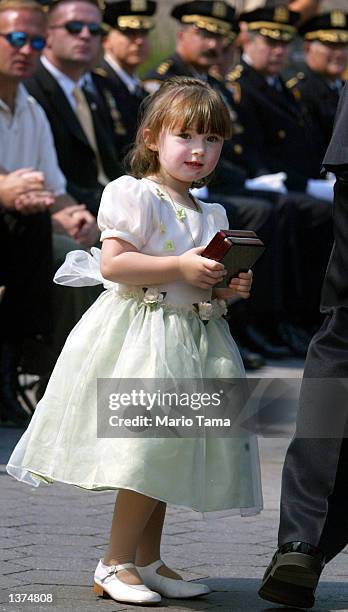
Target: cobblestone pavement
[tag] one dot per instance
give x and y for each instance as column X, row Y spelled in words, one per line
column 52, row 537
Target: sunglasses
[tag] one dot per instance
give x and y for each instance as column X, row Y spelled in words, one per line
column 20, row 39
column 76, row 27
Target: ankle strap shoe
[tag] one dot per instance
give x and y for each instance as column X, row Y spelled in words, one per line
column 170, row 587
column 106, row 584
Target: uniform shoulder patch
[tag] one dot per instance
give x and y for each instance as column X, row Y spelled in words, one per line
column 235, row 90
column 164, row 67
column 100, row 71
column 296, row 93
column 235, row 73
column 295, row 80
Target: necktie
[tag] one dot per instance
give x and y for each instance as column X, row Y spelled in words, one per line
column 275, row 83
column 138, row 92
column 84, row 116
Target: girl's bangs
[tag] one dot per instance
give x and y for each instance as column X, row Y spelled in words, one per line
column 199, row 111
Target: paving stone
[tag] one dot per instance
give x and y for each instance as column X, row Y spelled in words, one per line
column 59, row 551
column 51, row 538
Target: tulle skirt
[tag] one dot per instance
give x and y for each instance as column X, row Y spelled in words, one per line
column 120, row 337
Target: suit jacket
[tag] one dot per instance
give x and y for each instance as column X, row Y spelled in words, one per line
column 335, row 287
column 320, row 101
column 337, row 152
column 76, row 158
column 277, row 131
column 128, row 105
column 230, row 174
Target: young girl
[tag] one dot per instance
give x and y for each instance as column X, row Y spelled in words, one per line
column 152, row 231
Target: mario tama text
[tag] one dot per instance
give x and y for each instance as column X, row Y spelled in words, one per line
column 171, row 408
column 166, row 408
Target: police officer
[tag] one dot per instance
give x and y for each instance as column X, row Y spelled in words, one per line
column 277, row 135
column 203, row 28
column 126, row 47
column 277, row 138
column 319, row 84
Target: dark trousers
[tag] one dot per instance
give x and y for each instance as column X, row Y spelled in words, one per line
column 257, row 214
column 301, row 242
column 306, row 224
column 314, row 499
column 26, row 273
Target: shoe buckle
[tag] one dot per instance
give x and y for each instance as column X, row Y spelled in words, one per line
column 112, row 571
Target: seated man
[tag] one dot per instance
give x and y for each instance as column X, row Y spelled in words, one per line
column 203, row 28
column 76, row 101
column 278, row 137
column 126, row 47
column 319, row 84
column 29, row 200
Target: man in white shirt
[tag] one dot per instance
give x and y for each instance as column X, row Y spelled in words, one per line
column 77, row 102
column 32, row 192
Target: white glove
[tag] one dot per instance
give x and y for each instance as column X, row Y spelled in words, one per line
column 201, row 193
column 268, row 182
column 321, row 188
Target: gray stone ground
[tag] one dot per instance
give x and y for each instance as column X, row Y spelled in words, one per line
column 52, row 537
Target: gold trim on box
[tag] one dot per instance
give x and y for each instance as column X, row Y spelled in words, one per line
column 208, row 23
column 334, row 36
column 135, row 22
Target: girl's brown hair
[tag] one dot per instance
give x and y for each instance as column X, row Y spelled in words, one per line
column 180, row 102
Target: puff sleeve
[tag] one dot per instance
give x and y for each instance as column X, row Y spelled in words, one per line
column 220, row 217
column 126, row 211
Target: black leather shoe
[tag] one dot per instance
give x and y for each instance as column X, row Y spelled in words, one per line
column 293, row 574
column 251, row 361
column 257, row 341
column 294, row 339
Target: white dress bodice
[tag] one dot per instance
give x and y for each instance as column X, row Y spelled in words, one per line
column 142, row 213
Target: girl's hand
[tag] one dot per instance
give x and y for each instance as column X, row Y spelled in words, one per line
column 200, row 271
column 241, row 285
column 238, row 287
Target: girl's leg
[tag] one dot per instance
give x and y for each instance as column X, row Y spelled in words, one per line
column 149, row 546
column 131, row 514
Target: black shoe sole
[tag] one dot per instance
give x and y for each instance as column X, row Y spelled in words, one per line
column 291, row 582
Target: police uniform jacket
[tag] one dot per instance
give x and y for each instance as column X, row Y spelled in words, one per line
column 335, row 287
column 277, row 132
column 320, row 99
column 127, row 104
column 76, row 157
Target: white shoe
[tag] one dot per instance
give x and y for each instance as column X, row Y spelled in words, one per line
column 170, row 587
column 106, row 582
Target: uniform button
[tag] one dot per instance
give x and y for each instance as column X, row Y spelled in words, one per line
column 238, row 149
column 282, row 134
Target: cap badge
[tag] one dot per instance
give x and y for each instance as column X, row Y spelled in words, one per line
column 138, row 5
column 219, row 10
column 338, row 19
column 281, row 14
